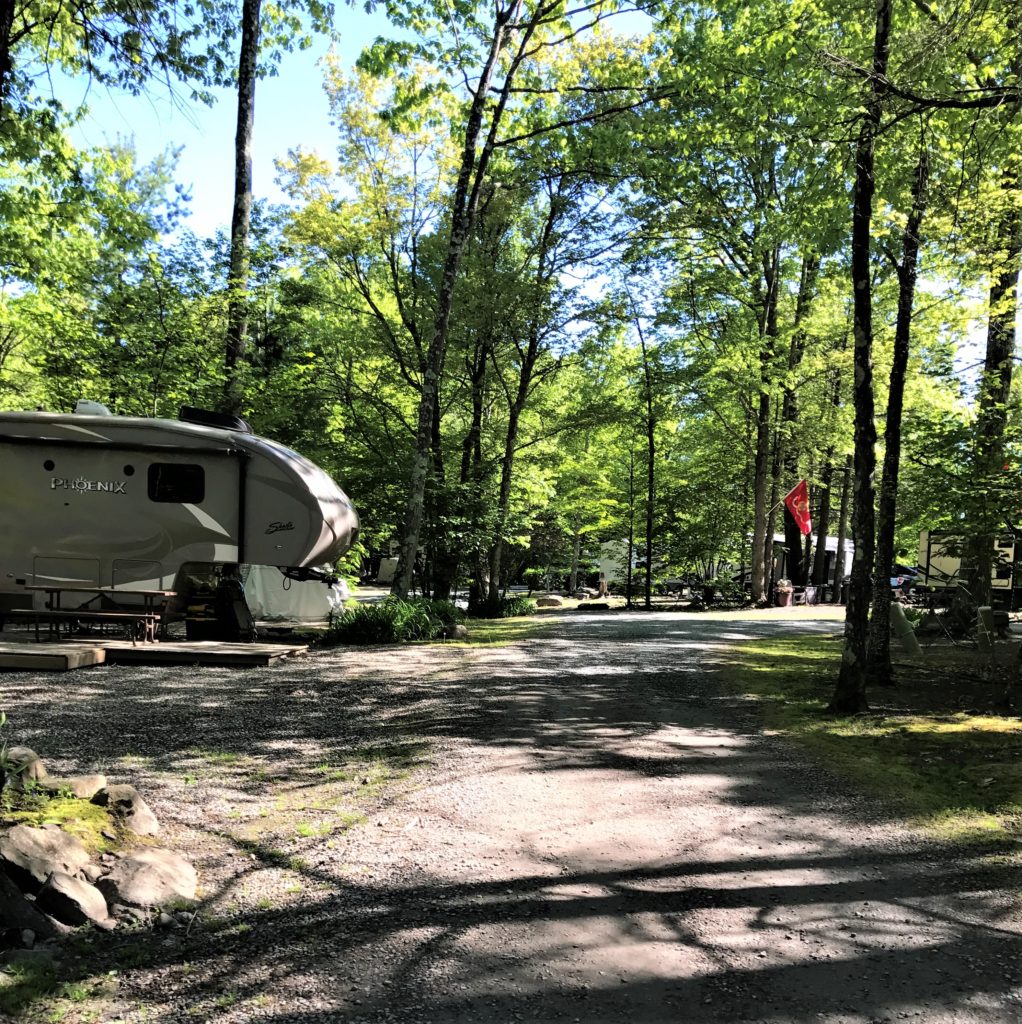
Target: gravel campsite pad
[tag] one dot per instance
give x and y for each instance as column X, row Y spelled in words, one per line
column 584, row 824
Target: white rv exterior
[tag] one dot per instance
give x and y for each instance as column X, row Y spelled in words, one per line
column 116, row 501
column 940, row 563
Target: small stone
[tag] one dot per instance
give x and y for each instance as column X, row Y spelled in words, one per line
column 27, row 938
column 165, row 920
column 92, row 873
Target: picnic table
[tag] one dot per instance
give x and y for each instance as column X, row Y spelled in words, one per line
column 138, row 623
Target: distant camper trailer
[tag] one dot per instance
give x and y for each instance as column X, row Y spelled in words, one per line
column 116, row 501
column 940, row 565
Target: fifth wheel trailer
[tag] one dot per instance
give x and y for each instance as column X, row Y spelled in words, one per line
column 126, row 502
column 940, row 560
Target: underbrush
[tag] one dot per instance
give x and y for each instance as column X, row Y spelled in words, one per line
column 394, row 621
column 503, row 608
column 956, row 772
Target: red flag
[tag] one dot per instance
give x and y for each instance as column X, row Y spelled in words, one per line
column 797, row 502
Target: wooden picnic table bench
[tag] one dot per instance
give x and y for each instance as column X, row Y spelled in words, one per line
column 140, row 623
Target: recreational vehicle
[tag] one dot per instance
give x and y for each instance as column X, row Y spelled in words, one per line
column 940, row 561
column 118, row 502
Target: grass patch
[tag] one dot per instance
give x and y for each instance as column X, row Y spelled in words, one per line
column 483, row 632
column 957, row 774
column 23, row 984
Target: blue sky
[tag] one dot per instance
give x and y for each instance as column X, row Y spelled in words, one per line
column 291, row 111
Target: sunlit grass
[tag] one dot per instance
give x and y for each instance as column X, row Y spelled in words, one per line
column 957, row 775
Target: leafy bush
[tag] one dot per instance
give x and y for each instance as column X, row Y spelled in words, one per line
column 503, row 608
column 393, row 621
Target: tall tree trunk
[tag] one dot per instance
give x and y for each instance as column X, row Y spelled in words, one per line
column 798, row 568
column 880, row 671
column 840, row 561
column 525, row 374
column 6, row 64
column 762, row 532
column 471, row 173
column 631, row 525
column 650, row 428
column 241, row 217
column 850, row 691
column 988, row 512
column 576, row 555
column 819, row 575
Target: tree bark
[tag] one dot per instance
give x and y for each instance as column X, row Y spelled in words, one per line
column 842, row 529
column 471, row 173
column 850, row 691
column 879, row 668
column 6, row 64
column 988, row 512
column 241, row 217
column 525, row 373
column 797, row 566
column 650, row 428
column 762, row 539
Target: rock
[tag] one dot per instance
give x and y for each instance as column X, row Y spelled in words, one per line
column 73, row 901
column 165, row 920
column 150, row 878
column 18, row 913
column 133, row 811
column 24, row 763
column 35, row 853
column 92, row 873
column 27, row 938
column 84, row 787
column 549, row 602
column 456, row 632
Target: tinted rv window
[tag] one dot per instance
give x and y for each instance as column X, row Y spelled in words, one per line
column 173, row 481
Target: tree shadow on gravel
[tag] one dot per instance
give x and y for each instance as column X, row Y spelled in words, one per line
column 846, row 932
column 816, row 953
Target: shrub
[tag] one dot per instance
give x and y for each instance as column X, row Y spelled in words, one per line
column 503, row 608
column 393, row 621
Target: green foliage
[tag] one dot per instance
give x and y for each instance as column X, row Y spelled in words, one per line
column 394, row 621
column 503, row 608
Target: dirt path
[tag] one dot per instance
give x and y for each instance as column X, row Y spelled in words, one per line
column 605, row 836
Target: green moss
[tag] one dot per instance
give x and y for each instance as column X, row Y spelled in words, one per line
column 959, row 776
column 84, row 820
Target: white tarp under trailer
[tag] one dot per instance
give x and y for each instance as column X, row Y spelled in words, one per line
column 273, row 597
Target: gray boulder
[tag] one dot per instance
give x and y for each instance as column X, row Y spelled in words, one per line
column 36, row 853
column 550, row 601
column 24, row 763
column 84, row 787
column 73, row 901
column 18, row 913
column 128, row 805
column 150, row 878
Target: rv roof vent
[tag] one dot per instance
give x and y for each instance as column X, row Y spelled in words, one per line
column 208, row 418
column 87, row 408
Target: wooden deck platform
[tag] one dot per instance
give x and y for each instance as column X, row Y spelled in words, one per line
column 19, row 656
column 199, row 652
column 19, row 653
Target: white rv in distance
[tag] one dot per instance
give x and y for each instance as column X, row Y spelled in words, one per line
column 940, row 562
column 118, row 501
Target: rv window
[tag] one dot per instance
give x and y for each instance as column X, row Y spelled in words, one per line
column 174, row 481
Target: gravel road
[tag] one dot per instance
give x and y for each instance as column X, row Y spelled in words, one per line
column 584, row 825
